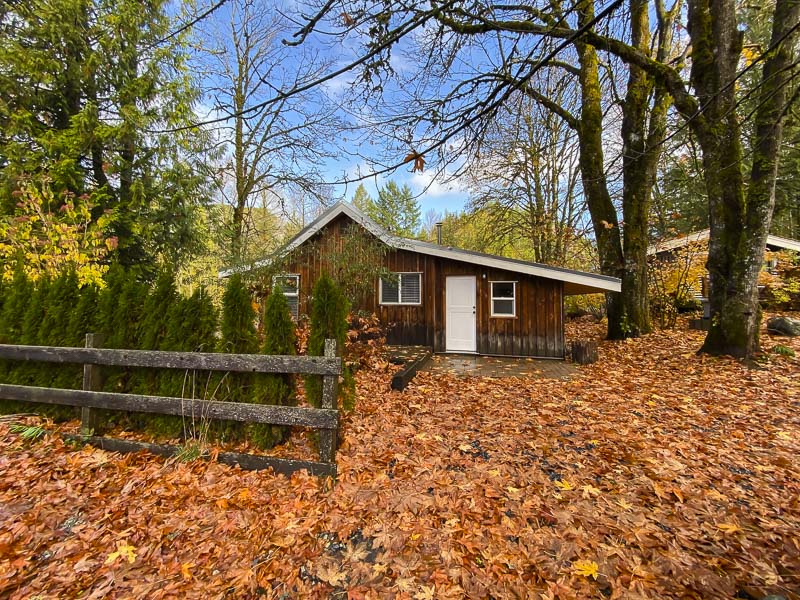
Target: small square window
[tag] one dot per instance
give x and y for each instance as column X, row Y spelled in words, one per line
column 401, row 288
column 504, row 298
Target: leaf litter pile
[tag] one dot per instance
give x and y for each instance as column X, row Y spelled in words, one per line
column 655, row 473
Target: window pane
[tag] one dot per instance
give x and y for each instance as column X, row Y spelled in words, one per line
column 410, row 288
column 503, row 307
column 389, row 291
column 502, row 289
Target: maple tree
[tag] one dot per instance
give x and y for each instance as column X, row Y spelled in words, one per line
column 655, row 473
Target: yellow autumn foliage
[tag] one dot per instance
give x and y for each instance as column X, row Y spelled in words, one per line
column 49, row 233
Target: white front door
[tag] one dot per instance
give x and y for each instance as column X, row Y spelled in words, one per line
column 460, row 308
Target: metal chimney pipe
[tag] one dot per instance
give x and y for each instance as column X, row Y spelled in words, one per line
column 439, row 233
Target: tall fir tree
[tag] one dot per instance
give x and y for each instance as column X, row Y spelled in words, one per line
column 85, row 84
column 274, row 389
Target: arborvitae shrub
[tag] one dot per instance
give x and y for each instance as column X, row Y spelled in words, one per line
column 152, row 334
column 120, row 308
column 192, row 328
column 81, row 321
column 161, row 329
column 29, row 373
column 329, row 309
column 128, row 312
column 107, row 300
column 60, row 302
column 275, row 389
column 200, row 335
column 238, row 336
column 238, row 326
column 16, row 298
column 33, row 334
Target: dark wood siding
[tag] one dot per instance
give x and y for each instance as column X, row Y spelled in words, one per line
column 536, row 330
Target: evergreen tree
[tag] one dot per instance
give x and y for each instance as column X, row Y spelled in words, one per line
column 30, row 373
column 329, row 310
column 17, row 296
column 40, row 374
column 120, row 310
column 192, row 328
column 61, row 301
column 107, row 300
column 81, row 321
column 362, row 200
column 238, row 327
column 83, row 84
column 151, row 334
column 396, row 209
column 238, row 336
column 275, row 389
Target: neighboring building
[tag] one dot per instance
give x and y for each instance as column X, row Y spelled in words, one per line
column 448, row 299
column 774, row 243
column 666, row 247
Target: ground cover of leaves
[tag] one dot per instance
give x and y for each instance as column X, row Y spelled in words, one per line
column 655, row 473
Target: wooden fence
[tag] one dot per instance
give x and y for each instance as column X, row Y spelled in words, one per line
column 324, row 419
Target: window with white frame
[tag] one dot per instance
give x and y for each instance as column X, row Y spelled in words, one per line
column 504, row 298
column 401, row 288
column 289, row 286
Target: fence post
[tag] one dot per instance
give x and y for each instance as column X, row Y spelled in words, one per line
column 329, row 437
column 91, row 383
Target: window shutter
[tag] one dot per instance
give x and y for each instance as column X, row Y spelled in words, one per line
column 389, row 291
column 294, row 305
column 410, row 284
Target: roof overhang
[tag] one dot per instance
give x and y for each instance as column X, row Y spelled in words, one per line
column 773, row 241
column 575, row 282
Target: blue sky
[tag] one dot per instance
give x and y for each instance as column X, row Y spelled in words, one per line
column 353, row 160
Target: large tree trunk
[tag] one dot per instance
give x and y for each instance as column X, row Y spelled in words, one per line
column 595, row 188
column 637, row 177
column 739, row 224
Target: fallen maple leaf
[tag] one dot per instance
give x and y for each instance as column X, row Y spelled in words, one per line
column 729, row 527
column 586, row 568
column 123, row 550
column 186, row 571
column 563, row 484
column 426, row 593
column 590, row 490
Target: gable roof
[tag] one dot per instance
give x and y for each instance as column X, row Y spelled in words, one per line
column 773, row 241
column 575, row 282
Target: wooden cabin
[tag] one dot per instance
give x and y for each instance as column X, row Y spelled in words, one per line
column 445, row 298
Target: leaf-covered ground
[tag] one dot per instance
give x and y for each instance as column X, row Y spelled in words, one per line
column 655, row 473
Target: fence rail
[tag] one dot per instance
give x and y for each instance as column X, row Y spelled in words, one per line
column 325, row 419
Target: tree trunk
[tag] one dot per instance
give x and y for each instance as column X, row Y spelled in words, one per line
column 637, row 168
column 739, row 223
column 595, row 188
